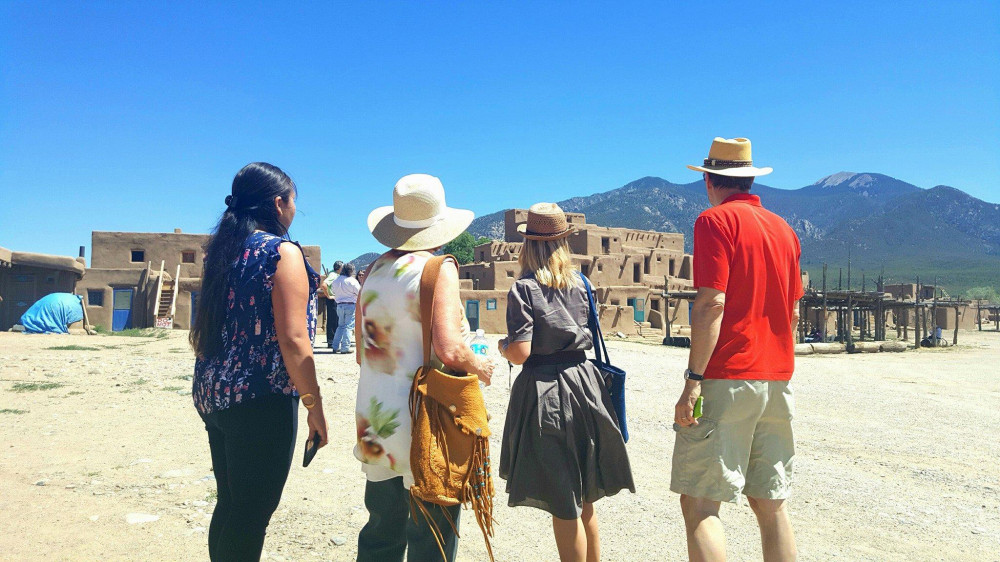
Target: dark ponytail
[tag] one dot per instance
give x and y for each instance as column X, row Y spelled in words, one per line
column 249, row 207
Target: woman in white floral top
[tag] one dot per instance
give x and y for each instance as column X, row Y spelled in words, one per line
column 390, row 350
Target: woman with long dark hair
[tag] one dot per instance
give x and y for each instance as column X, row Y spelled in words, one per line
column 253, row 339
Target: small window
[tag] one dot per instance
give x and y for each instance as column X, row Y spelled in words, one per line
column 605, row 245
column 187, row 256
column 600, row 266
column 95, row 297
column 491, row 304
column 138, row 256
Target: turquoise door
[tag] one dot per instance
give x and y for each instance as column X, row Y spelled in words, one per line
column 121, row 316
column 639, row 309
column 472, row 314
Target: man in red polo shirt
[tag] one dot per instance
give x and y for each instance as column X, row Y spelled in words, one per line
column 746, row 271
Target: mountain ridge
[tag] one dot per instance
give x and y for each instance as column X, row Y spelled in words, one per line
column 876, row 220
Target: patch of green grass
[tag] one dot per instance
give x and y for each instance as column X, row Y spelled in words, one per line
column 213, row 495
column 33, row 386
column 101, row 329
column 138, row 382
column 12, row 411
column 92, row 474
column 73, row 348
column 157, row 333
column 172, row 388
column 183, row 377
column 178, row 351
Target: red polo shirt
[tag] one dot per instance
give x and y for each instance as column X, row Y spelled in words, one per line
column 752, row 255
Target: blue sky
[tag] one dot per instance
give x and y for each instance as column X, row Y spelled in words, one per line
column 135, row 116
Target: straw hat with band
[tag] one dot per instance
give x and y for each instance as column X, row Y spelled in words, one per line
column 418, row 219
column 546, row 221
column 731, row 157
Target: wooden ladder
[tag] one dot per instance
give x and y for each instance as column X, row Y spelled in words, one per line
column 166, row 299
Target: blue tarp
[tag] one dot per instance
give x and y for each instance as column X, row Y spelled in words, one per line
column 53, row 314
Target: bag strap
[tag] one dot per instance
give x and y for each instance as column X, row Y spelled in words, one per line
column 428, row 280
column 594, row 323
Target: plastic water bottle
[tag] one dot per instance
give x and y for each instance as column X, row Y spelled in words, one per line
column 480, row 347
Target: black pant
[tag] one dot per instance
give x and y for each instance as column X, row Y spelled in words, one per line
column 331, row 321
column 252, row 446
column 391, row 530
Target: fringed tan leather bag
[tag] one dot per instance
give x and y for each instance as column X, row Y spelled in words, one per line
column 450, row 449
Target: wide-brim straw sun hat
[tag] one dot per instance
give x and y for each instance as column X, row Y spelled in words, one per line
column 731, row 157
column 418, row 219
column 546, row 221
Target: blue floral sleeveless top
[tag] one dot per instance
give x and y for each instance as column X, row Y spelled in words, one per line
column 250, row 364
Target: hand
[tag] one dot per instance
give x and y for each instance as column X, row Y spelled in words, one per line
column 684, row 410
column 485, row 367
column 317, row 423
column 502, row 347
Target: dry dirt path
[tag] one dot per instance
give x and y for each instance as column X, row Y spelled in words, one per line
column 897, row 459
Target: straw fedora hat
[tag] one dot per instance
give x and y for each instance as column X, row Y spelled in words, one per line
column 418, row 219
column 731, row 157
column 546, row 221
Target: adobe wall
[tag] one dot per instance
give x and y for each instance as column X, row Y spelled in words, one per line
column 613, row 318
column 105, row 281
column 18, row 296
column 492, row 321
column 113, row 250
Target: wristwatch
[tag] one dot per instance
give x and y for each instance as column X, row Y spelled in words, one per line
column 308, row 400
column 692, row 376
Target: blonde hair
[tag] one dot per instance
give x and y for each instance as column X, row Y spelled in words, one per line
column 550, row 261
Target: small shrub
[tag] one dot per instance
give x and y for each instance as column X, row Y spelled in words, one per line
column 12, row 411
column 33, row 386
column 73, row 348
column 157, row 333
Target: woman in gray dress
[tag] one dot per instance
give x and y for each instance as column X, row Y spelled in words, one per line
column 562, row 448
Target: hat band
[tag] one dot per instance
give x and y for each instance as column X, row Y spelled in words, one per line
column 728, row 163
column 533, row 233
column 423, row 223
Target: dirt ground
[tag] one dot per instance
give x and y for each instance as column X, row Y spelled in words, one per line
column 102, row 457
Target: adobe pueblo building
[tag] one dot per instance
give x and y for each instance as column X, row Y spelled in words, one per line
column 630, row 270
column 26, row 277
column 147, row 279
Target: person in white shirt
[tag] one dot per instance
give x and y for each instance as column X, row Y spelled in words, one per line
column 331, row 304
column 344, row 289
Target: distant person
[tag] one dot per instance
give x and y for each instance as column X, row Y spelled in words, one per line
column 562, row 447
column 390, row 349
column 332, row 321
column 746, row 271
column 252, row 338
column 345, row 289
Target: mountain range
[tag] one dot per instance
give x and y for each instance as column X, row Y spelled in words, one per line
column 878, row 222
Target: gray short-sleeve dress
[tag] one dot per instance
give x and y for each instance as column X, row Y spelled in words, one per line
column 561, row 442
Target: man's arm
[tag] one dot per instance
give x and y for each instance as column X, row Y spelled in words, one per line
column 795, row 319
column 706, row 321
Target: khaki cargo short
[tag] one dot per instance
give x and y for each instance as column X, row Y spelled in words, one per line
column 742, row 444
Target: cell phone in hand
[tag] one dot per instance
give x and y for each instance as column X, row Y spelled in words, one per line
column 312, row 446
